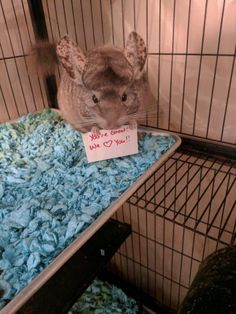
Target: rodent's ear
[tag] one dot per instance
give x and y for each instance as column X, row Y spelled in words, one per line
column 136, row 52
column 71, row 58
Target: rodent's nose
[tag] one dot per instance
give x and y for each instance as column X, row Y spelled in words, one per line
column 111, row 112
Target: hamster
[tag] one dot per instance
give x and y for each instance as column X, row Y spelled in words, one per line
column 104, row 89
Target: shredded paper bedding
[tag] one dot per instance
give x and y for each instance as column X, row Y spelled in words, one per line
column 49, row 193
column 104, row 298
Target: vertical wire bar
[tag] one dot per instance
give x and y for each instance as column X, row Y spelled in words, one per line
column 222, row 214
column 59, row 31
column 179, row 180
column 155, row 242
column 125, row 247
column 134, row 14
column 64, row 13
column 159, row 66
column 27, row 26
column 123, row 22
column 163, row 247
column 4, row 101
column 73, row 14
column 192, row 210
column 82, row 16
column 194, row 234
column 118, row 253
column 215, row 193
column 91, row 10
column 172, row 63
column 50, row 21
column 182, row 248
column 103, row 36
column 9, row 80
column 147, row 45
column 200, row 68
column 222, row 204
column 227, row 99
column 146, row 237
column 16, row 65
column 173, row 239
column 139, row 242
column 112, row 23
column 206, row 235
column 22, row 47
column 132, row 248
column 233, row 234
column 227, row 219
column 185, row 67
column 215, row 70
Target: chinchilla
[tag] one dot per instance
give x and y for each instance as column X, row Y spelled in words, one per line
column 103, row 89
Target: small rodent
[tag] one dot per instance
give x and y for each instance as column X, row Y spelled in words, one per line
column 105, row 88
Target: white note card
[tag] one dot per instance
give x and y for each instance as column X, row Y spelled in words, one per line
column 111, row 143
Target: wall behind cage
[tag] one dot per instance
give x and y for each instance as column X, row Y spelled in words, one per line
column 191, row 56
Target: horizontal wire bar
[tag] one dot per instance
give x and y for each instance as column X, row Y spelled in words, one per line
column 182, row 215
column 166, row 245
column 191, row 54
column 13, row 57
column 195, row 136
column 188, row 227
column 208, row 167
column 154, row 271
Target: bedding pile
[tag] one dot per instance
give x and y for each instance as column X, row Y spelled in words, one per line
column 49, row 193
column 104, row 298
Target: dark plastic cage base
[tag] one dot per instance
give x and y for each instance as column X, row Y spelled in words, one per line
column 63, row 289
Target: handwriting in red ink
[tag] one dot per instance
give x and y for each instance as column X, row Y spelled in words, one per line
column 94, row 136
column 108, row 143
column 113, row 132
column 94, row 146
column 118, row 142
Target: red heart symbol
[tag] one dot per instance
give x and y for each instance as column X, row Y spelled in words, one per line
column 108, row 143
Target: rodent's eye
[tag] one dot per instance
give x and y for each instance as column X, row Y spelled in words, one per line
column 95, row 100
column 124, row 97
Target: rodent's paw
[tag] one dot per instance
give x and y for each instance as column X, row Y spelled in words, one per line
column 95, row 130
column 133, row 124
column 141, row 135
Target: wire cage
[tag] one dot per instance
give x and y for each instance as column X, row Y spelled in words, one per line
column 184, row 212
column 187, row 209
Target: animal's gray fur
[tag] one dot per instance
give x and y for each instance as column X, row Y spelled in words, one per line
column 107, row 73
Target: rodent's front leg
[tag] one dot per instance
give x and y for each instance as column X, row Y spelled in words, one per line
column 133, row 124
column 95, row 129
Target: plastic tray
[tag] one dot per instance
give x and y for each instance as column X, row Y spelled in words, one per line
column 25, row 294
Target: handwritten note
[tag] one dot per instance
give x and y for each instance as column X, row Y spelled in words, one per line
column 110, row 143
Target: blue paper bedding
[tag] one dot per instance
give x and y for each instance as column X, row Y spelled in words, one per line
column 104, row 298
column 49, row 194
